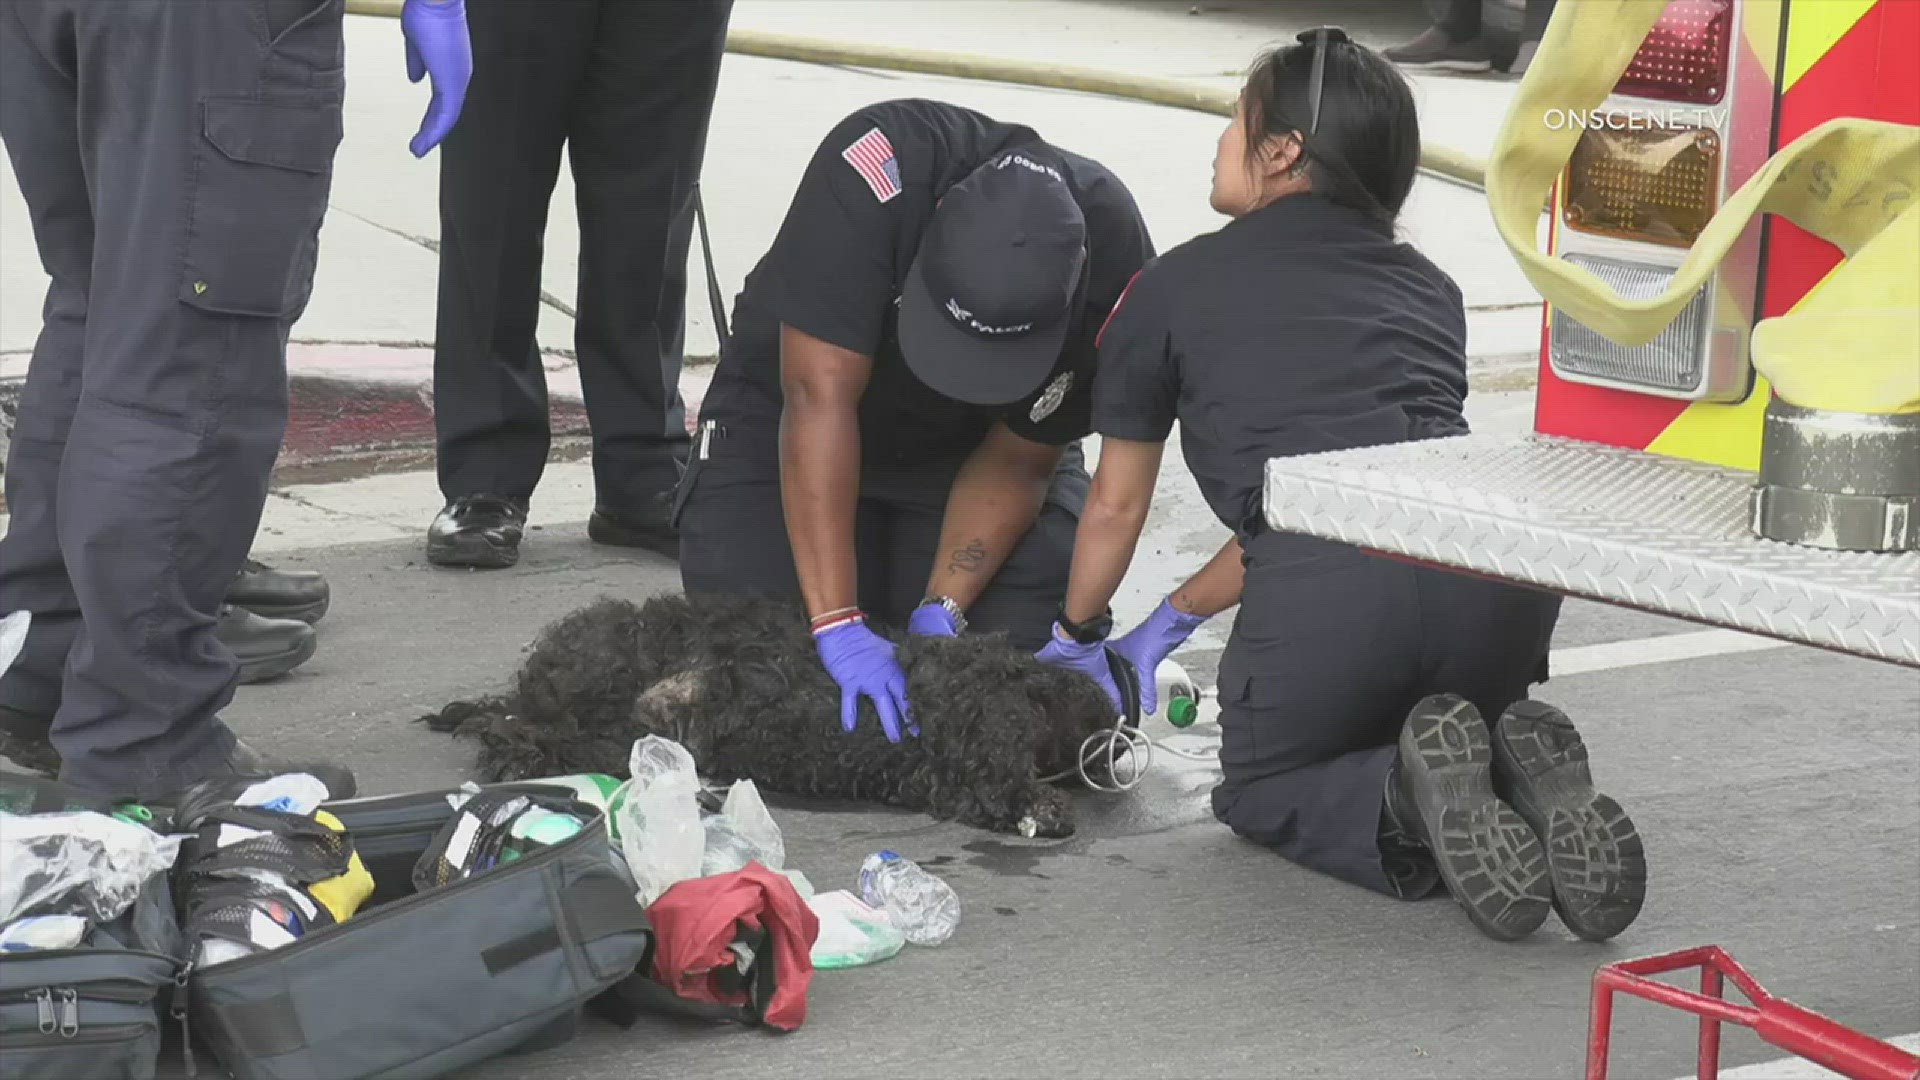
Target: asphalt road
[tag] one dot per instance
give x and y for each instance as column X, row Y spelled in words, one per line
column 1775, row 791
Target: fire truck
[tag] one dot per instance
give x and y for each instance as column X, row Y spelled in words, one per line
column 1668, row 474
column 1727, row 415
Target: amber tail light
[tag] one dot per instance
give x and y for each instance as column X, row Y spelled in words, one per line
column 1657, row 186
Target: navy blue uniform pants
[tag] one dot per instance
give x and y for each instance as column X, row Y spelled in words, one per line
column 1330, row 651
column 626, row 86
column 176, row 158
column 733, row 533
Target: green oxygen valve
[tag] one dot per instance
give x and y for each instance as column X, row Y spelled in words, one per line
column 1182, row 698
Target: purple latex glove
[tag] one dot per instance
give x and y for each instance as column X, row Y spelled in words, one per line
column 863, row 662
column 1088, row 660
column 932, row 620
column 1153, row 641
column 437, row 45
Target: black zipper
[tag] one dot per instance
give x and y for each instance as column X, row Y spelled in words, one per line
column 103, row 1034
column 58, row 1007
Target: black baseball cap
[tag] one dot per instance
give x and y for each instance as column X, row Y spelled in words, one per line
column 991, row 294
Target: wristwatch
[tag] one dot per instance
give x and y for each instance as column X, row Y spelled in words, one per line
column 952, row 609
column 1093, row 630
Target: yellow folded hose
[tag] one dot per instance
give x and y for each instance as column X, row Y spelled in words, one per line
column 1853, row 344
column 1438, row 160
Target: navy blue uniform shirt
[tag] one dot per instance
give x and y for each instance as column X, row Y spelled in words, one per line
column 1300, row 328
column 836, row 269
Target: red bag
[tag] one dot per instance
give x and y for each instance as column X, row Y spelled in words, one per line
column 742, row 941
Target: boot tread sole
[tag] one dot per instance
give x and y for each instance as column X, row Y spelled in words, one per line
column 1595, row 856
column 1491, row 860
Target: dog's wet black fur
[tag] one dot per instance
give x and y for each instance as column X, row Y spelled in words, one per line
column 739, row 683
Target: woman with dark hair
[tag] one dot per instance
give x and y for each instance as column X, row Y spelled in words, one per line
column 1355, row 692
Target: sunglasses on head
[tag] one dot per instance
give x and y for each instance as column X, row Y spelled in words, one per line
column 1319, row 38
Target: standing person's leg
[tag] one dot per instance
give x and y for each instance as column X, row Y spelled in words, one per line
column 1455, row 43
column 40, row 123
column 1539, row 14
column 497, row 172
column 640, row 133
column 208, row 143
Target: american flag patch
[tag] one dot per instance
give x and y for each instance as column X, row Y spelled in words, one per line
column 872, row 157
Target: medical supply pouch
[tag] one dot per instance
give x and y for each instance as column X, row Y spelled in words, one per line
column 420, row 983
column 93, row 1011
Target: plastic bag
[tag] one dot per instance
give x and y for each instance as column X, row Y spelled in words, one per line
column 79, row 863
column 743, row 832
column 660, row 830
column 13, row 637
column 851, row 932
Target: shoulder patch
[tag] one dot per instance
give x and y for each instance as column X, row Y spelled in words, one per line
column 1051, row 397
column 1097, row 338
column 871, row 155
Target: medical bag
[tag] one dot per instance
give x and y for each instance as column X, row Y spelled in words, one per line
column 461, row 953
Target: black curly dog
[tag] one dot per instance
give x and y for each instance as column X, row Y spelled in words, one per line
column 740, row 685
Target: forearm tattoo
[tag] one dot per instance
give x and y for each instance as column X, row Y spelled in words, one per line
column 969, row 559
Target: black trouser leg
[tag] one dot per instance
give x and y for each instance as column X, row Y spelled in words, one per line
column 639, row 134
column 1539, row 14
column 1316, row 681
column 497, row 171
column 1462, row 21
column 206, row 141
column 39, row 115
column 1329, row 653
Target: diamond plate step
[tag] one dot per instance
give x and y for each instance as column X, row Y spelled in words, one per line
column 1622, row 526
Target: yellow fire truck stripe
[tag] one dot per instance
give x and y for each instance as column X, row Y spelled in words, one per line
column 1813, row 26
column 1760, row 26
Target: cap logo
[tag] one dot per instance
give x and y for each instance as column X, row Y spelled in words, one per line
column 1050, row 399
column 965, row 318
column 1030, row 165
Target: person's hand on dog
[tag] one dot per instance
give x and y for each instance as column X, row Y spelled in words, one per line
column 864, row 663
column 1089, row 660
column 932, row 620
column 1146, row 645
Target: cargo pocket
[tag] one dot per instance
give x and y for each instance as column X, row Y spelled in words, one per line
column 262, row 173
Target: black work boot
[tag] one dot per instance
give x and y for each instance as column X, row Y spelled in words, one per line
column 280, row 594
column 1489, row 858
column 1595, row 859
column 480, row 531
column 243, row 768
column 24, row 740
column 1436, row 50
column 648, row 526
column 1405, row 859
column 266, row 648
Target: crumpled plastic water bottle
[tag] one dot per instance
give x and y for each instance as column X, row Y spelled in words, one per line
column 918, row 904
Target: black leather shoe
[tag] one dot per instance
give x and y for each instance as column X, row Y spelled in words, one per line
column 1488, row 856
column 649, row 526
column 266, row 648
column 25, row 742
column 280, row 594
column 243, row 768
column 481, row 531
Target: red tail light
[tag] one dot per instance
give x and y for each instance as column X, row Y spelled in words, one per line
column 1685, row 57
